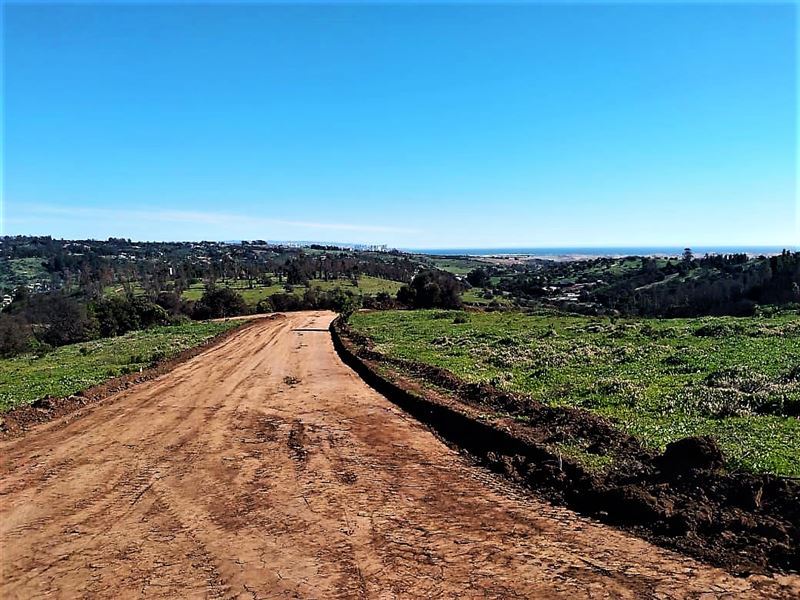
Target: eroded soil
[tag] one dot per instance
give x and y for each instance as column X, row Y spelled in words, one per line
column 265, row 468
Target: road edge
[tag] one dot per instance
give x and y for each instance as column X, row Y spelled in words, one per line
column 21, row 420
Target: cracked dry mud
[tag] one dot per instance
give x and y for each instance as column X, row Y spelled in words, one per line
column 222, row 480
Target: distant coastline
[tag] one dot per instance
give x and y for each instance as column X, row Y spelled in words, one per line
column 576, row 252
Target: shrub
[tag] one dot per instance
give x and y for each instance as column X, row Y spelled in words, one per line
column 118, row 315
column 16, row 336
column 280, row 303
column 431, row 289
column 219, row 302
column 478, row 278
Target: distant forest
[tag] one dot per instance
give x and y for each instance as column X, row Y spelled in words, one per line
column 730, row 284
column 57, row 292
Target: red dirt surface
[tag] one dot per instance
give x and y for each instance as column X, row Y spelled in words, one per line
column 265, row 468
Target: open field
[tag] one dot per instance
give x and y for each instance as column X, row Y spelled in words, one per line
column 69, row 369
column 21, row 271
column 455, row 265
column 252, row 296
column 366, row 285
column 265, row 468
column 661, row 380
column 475, row 296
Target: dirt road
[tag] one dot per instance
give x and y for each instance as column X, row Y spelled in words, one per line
column 265, row 468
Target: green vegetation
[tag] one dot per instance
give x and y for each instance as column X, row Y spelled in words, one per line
column 21, row 271
column 737, row 379
column 366, row 285
column 69, row 369
column 252, row 296
column 454, row 265
column 477, row 296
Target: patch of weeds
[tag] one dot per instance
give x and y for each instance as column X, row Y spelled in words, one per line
column 590, row 461
column 158, row 356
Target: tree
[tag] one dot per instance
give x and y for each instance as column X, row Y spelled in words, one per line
column 15, row 335
column 280, row 302
column 218, row 302
column 344, row 302
column 688, row 255
column 63, row 320
column 431, row 289
column 478, row 278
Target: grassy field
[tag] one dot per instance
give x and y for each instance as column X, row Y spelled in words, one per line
column 252, row 296
column 69, row 369
column 455, row 265
column 21, row 271
column 475, row 296
column 735, row 379
column 366, row 285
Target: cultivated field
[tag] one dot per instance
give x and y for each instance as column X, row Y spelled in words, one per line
column 735, row 379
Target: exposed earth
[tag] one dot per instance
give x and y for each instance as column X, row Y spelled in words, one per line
column 265, row 468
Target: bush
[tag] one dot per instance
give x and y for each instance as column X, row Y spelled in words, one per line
column 16, row 336
column 345, row 303
column 172, row 303
column 431, row 289
column 218, row 303
column 479, row 278
column 717, row 329
column 380, row 301
column 57, row 319
column 280, row 303
column 119, row 315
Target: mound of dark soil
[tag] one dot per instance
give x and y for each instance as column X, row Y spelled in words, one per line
column 691, row 454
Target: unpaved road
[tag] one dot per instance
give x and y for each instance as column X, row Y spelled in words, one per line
column 265, row 468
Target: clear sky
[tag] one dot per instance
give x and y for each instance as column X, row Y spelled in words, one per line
column 413, row 125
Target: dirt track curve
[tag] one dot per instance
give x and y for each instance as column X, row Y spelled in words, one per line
column 265, row 468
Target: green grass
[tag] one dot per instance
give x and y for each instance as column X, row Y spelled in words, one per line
column 366, row 285
column 657, row 379
column 475, row 296
column 118, row 289
column 457, row 266
column 21, row 271
column 252, row 296
column 72, row 368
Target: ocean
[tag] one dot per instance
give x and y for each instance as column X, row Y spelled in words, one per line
column 604, row 251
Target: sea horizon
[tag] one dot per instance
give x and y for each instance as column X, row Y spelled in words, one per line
column 601, row 251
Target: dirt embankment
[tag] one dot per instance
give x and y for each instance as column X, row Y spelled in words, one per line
column 680, row 499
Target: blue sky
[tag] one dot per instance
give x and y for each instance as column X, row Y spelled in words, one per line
column 413, row 125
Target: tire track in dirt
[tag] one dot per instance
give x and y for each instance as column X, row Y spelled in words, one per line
column 264, row 467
